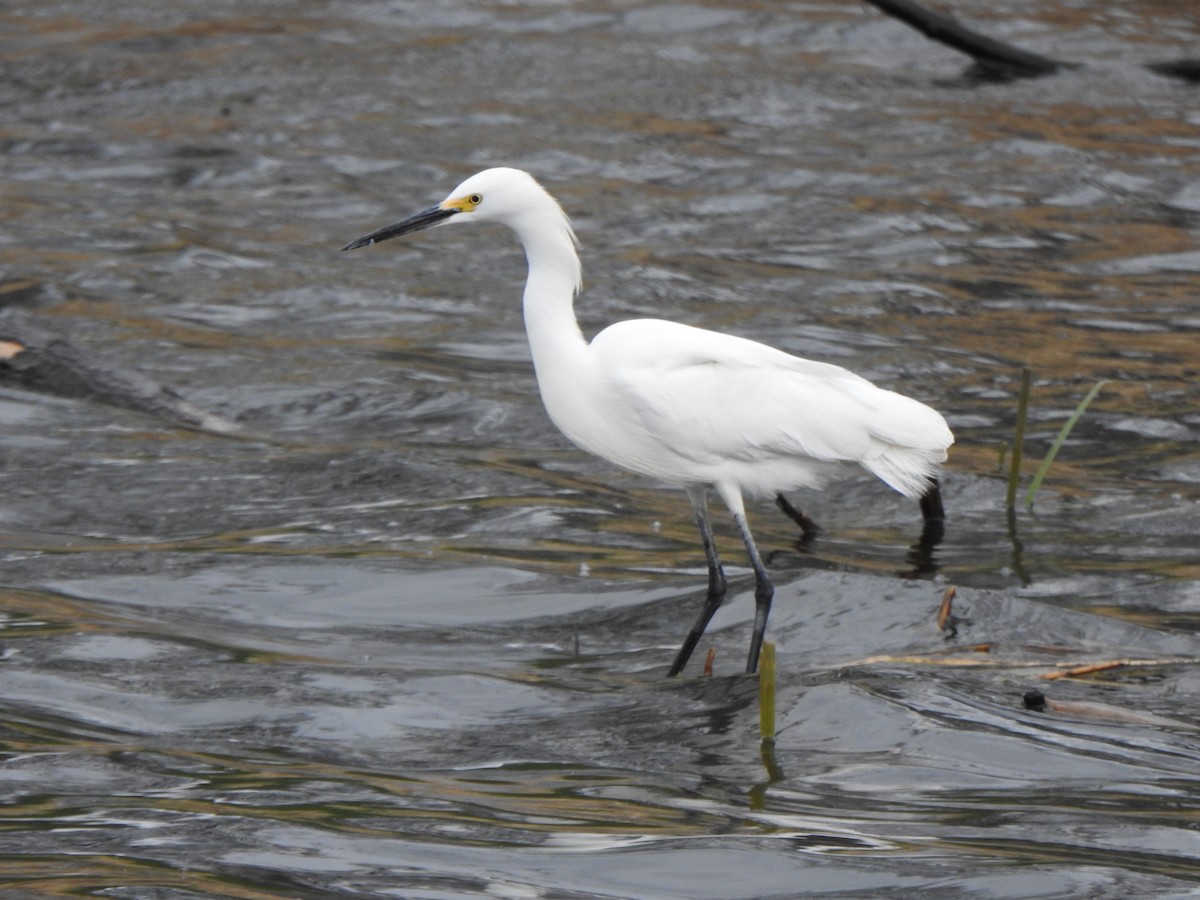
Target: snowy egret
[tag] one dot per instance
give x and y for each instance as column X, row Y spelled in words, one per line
column 691, row 407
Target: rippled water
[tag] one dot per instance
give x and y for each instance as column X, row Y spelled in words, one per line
column 398, row 639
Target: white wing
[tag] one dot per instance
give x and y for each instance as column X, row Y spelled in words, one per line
column 719, row 400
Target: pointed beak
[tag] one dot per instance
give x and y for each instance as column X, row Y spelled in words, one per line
column 426, row 218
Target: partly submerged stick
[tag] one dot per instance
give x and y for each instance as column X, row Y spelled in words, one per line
column 997, row 59
column 991, row 55
column 1059, row 441
column 1014, row 471
column 766, row 693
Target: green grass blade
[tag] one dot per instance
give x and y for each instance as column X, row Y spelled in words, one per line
column 1059, row 441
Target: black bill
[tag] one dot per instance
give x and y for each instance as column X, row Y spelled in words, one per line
column 426, row 218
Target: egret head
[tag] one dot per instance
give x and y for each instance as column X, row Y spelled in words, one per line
column 493, row 195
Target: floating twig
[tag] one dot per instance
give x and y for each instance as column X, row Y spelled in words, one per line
column 944, row 611
column 1088, row 669
column 936, row 659
column 984, row 659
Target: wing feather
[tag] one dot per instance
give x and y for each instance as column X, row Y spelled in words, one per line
column 712, row 397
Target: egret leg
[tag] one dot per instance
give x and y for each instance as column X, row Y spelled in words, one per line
column 764, row 591
column 715, row 595
column 808, row 528
column 933, row 530
column 934, row 514
column 931, row 502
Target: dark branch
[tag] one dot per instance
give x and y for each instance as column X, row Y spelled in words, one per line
column 1185, row 69
column 994, row 58
column 37, row 359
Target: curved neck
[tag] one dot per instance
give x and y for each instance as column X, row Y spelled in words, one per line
column 554, row 277
column 561, row 357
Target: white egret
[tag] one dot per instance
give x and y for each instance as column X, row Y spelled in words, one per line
column 691, row 407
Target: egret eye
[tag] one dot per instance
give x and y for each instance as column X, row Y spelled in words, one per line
column 475, row 199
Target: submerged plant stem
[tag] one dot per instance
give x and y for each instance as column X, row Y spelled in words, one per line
column 1014, row 471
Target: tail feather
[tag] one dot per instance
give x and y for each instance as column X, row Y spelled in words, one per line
column 909, row 470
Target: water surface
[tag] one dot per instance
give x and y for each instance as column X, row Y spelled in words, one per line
column 399, row 639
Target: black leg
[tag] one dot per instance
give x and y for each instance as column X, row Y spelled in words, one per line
column 920, row 554
column 931, row 503
column 764, row 591
column 934, row 528
column 808, row 528
column 715, row 595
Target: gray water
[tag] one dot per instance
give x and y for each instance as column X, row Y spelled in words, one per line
column 396, row 638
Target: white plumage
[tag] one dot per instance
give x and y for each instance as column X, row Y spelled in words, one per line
column 688, row 406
